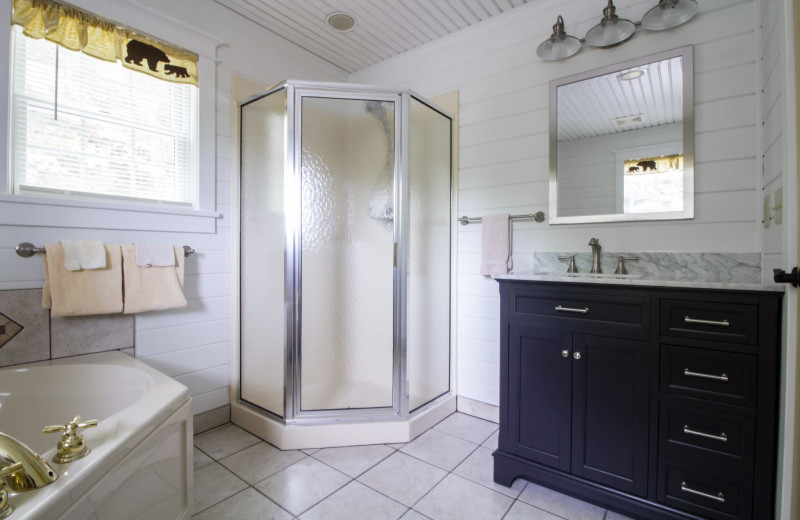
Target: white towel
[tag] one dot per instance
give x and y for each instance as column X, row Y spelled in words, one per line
column 91, row 253
column 71, row 259
column 83, row 254
column 155, row 255
column 496, row 244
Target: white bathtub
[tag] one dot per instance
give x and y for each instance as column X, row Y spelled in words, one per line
column 140, row 466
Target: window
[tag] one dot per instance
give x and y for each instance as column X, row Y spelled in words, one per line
column 91, row 129
column 653, row 184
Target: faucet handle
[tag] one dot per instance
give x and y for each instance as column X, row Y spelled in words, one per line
column 72, row 445
column 5, row 506
column 10, row 470
column 621, row 265
column 571, row 268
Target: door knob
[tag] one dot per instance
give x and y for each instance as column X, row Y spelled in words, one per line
column 565, row 353
column 576, row 355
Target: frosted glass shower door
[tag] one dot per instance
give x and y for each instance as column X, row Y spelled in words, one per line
column 263, row 249
column 428, row 311
column 347, row 248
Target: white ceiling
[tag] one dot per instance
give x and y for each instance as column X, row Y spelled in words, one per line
column 591, row 107
column 384, row 28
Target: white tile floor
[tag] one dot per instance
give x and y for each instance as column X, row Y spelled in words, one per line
column 445, row 473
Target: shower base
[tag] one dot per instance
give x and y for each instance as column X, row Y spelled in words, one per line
column 346, row 431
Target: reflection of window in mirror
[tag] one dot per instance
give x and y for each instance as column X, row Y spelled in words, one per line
column 653, row 184
column 650, row 179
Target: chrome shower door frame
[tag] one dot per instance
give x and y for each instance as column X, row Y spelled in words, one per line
column 296, row 91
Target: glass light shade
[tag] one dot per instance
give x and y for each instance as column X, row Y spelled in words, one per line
column 610, row 32
column 558, row 47
column 668, row 14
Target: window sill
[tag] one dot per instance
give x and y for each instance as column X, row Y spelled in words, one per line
column 64, row 213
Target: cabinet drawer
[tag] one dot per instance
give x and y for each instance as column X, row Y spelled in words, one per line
column 714, row 495
column 704, row 435
column 728, row 322
column 724, row 377
column 626, row 316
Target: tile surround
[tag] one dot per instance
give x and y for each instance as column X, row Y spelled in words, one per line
column 33, row 341
column 44, row 338
column 400, row 485
column 74, row 336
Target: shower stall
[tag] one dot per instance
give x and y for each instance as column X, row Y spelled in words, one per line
column 345, row 265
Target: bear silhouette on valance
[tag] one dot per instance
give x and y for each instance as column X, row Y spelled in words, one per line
column 79, row 30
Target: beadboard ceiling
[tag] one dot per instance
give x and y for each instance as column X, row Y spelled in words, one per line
column 384, row 28
column 608, row 104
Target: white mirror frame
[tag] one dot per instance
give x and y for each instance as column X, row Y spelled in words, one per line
column 688, row 141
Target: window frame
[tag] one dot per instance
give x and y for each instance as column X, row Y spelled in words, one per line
column 71, row 212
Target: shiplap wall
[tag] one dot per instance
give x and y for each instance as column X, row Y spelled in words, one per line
column 777, row 148
column 504, row 144
column 191, row 344
column 772, row 114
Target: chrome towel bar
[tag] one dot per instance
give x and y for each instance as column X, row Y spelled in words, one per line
column 27, row 250
column 538, row 217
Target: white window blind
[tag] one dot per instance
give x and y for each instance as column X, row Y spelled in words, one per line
column 86, row 128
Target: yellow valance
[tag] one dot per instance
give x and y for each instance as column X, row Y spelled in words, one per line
column 81, row 31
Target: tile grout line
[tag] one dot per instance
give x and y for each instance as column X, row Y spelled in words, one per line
column 476, row 446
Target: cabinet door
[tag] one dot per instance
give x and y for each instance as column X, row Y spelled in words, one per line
column 540, row 381
column 610, row 412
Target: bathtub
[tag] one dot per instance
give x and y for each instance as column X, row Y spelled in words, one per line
column 140, row 466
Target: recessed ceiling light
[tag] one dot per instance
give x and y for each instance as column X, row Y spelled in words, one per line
column 631, row 74
column 341, row 22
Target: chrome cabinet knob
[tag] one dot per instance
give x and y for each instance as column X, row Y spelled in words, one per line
column 565, row 353
column 576, row 355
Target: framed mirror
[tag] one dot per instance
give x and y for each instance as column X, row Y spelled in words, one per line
column 622, row 141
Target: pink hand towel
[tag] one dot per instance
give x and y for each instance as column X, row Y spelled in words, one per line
column 496, row 244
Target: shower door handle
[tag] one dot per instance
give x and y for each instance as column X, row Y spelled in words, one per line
column 395, row 254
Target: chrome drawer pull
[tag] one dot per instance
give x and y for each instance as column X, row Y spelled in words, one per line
column 689, row 373
column 721, row 437
column 723, row 323
column 559, row 308
column 719, row 497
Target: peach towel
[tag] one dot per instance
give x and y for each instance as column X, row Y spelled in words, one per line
column 81, row 293
column 152, row 288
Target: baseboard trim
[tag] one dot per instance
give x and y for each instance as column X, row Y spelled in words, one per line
column 485, row 411
column 211, row 419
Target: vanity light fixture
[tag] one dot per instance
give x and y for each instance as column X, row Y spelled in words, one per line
column 668, row 14
column 560, row 45
column 613, row 30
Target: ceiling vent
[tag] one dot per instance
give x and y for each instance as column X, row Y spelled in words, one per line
column 629, row 120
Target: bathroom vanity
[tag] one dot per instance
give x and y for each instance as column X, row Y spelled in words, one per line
column 655, row 400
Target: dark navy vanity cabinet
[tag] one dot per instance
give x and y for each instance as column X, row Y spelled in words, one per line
column 656, row 402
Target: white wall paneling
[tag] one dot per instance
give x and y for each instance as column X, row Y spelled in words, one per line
column 504, row 144
column 190, row 343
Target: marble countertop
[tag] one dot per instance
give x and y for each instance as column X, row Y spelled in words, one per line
column 648, row 281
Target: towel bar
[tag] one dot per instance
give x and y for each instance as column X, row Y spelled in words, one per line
column 538, row 217
column 27, row 250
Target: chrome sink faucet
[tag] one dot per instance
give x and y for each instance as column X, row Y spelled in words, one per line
column 595, row 256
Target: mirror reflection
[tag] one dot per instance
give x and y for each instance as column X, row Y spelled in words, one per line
column 622, row 142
